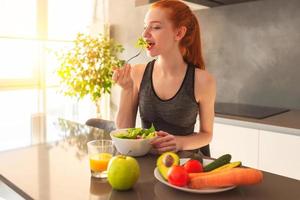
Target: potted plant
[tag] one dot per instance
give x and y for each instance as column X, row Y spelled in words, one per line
column 86, row 69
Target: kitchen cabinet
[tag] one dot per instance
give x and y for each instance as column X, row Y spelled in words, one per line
column 270, row 151
column 279, row 153
column 240, row 142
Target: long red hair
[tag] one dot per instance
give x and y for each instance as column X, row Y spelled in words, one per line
column 181, row 15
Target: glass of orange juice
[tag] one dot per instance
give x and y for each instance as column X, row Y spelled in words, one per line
column 100, row 152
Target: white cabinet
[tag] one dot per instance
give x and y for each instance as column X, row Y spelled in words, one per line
column 240, row 142
column 279, row 154
column 273, row 152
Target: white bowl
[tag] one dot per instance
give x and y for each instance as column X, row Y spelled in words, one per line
column 131, row 147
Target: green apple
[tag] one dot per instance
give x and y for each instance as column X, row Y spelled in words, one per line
column 123, row 172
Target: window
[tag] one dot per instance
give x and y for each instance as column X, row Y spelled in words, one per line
column 29, row 30
column 18, row 18
column 68, row 17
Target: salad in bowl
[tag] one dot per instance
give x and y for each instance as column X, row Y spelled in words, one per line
column 133, row 141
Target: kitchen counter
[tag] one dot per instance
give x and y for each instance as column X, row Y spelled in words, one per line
column 60, row 170
column 288, row 122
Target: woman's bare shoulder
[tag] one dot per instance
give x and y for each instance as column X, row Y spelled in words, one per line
column 137, row 73
column 203, row 77
column 205, row 83
column 139, row 67
column 138, row 70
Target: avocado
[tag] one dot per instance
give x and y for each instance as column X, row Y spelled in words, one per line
column 165, row 162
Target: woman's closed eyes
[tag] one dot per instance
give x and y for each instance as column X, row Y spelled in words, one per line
column 152, row 27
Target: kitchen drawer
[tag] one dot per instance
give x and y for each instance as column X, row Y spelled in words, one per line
column 240, row 142
column 279, row 154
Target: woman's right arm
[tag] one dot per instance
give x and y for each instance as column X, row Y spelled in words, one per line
column 127, row 111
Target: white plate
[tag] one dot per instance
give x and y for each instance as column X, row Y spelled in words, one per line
column 203, row 191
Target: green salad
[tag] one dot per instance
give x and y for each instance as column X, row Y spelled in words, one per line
column 141, row 43
column 137, row 133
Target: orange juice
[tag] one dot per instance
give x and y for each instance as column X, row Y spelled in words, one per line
column 99, row 162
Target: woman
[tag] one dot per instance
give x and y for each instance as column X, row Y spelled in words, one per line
column 171, row 90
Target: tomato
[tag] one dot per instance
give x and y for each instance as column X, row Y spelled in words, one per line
column 177, row 175
column 193, row 166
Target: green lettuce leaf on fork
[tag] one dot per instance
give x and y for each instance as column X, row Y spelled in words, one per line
column 141, row 43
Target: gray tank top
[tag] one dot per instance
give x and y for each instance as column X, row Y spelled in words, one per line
column 176, row 115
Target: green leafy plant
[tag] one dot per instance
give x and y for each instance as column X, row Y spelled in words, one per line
column 87, row 68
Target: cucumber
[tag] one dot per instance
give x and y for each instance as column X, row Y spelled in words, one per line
column 222, row 160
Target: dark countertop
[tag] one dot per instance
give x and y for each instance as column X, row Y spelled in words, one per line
column 59, row 170
column 288, row 122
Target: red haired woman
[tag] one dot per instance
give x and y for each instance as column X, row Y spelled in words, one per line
column 173, row 89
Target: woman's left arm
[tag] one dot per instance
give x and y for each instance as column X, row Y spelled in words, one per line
column 205, row 94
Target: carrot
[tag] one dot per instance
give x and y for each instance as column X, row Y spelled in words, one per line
column 230, row 177
column 194, row 175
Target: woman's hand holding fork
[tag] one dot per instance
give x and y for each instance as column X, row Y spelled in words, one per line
column 122, row 76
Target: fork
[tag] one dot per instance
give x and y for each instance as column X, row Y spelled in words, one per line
column 134, row 56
